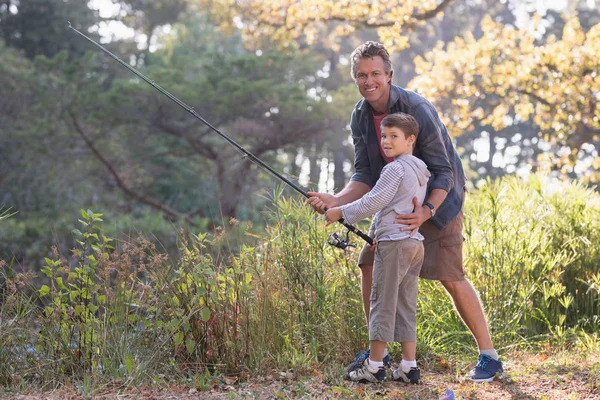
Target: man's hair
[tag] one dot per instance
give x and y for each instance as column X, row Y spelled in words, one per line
column 370, row 50
column 405, row 122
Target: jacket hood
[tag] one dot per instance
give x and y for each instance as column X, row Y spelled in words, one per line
column 416, row 165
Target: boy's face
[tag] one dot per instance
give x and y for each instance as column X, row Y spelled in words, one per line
column 373, row 83
column 394, row 142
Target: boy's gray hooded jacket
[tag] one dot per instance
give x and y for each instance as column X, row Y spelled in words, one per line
column 400, row 181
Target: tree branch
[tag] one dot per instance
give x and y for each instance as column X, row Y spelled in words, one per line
column 536, row 97
column 120, row 183
column 432, row 13
column 200, row 148
column 377, row 24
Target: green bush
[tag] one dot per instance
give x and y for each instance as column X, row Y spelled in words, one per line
column 532, row 250
column 287, row 299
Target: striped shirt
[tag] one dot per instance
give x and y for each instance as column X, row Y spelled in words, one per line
column 401, row 180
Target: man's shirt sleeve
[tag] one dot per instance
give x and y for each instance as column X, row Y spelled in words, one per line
column 432, row 148
column 362, row 167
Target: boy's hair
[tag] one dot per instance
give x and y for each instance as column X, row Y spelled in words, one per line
column 405, row 122
column 370, row 50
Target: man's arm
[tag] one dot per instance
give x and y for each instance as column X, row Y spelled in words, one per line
column 432, row 151
column 432, row 148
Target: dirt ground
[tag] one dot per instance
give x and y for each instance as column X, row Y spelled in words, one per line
column 561, row 376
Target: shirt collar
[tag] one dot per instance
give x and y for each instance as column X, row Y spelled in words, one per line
column 394, row 96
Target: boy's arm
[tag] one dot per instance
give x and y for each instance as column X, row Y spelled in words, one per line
column 380, row 196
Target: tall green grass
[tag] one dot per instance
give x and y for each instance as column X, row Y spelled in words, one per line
column 533, row 250
column 128, row 312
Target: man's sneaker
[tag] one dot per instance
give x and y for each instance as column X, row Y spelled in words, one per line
column 486, row 369
column 412, row 376
column 365, row 375
column 363, row 355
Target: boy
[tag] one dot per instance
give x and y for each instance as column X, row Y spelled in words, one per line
column 398, row 255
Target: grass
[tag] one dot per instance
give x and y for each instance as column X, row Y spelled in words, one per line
column 287, row 305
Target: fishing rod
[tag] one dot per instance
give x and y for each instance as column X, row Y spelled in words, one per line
column 334, row 239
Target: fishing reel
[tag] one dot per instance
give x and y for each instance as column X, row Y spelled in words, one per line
column 337, row 241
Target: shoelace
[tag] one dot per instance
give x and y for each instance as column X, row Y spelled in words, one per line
column 483, row 362
column 361, row 356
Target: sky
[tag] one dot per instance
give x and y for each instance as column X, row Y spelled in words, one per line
column 114, row 29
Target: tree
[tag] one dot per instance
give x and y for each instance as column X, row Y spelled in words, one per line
column 145, row 16
column 289, row 22
column 40, row 27
column 505, row 77
column 154, row 151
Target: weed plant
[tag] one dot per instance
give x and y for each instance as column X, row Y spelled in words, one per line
column 125, row 312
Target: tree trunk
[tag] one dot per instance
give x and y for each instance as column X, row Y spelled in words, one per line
column 315, row 171
column 339, row 178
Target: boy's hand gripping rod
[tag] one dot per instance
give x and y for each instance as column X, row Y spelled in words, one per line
column 246, row 153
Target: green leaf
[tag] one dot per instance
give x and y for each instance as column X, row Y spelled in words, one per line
column 190, row 344
column 78, row 310
column 205, row 314
column 129, row 364
column 47, row 271
column 59, row 282
column 44, row 290
column 76, row 232
column 178, row 338
column 50, row 262
column 341, row 389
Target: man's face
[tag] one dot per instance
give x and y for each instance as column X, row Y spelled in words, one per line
column 373, row 83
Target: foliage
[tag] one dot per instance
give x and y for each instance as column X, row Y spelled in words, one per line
column 505, row 77
column 41, row 26
column 4, row 214
column 288, row 23
column 534, row 245
column 290, row 301
column 120, row 144
column 147, row 15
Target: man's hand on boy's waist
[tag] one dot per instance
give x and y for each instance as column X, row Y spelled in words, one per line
column 414, row 220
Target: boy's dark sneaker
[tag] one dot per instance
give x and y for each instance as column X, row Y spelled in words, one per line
column 364, row 374
column 412, row 376
column 486, row 369
column 363, row 355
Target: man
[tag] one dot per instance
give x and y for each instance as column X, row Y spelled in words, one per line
column 439, row 218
